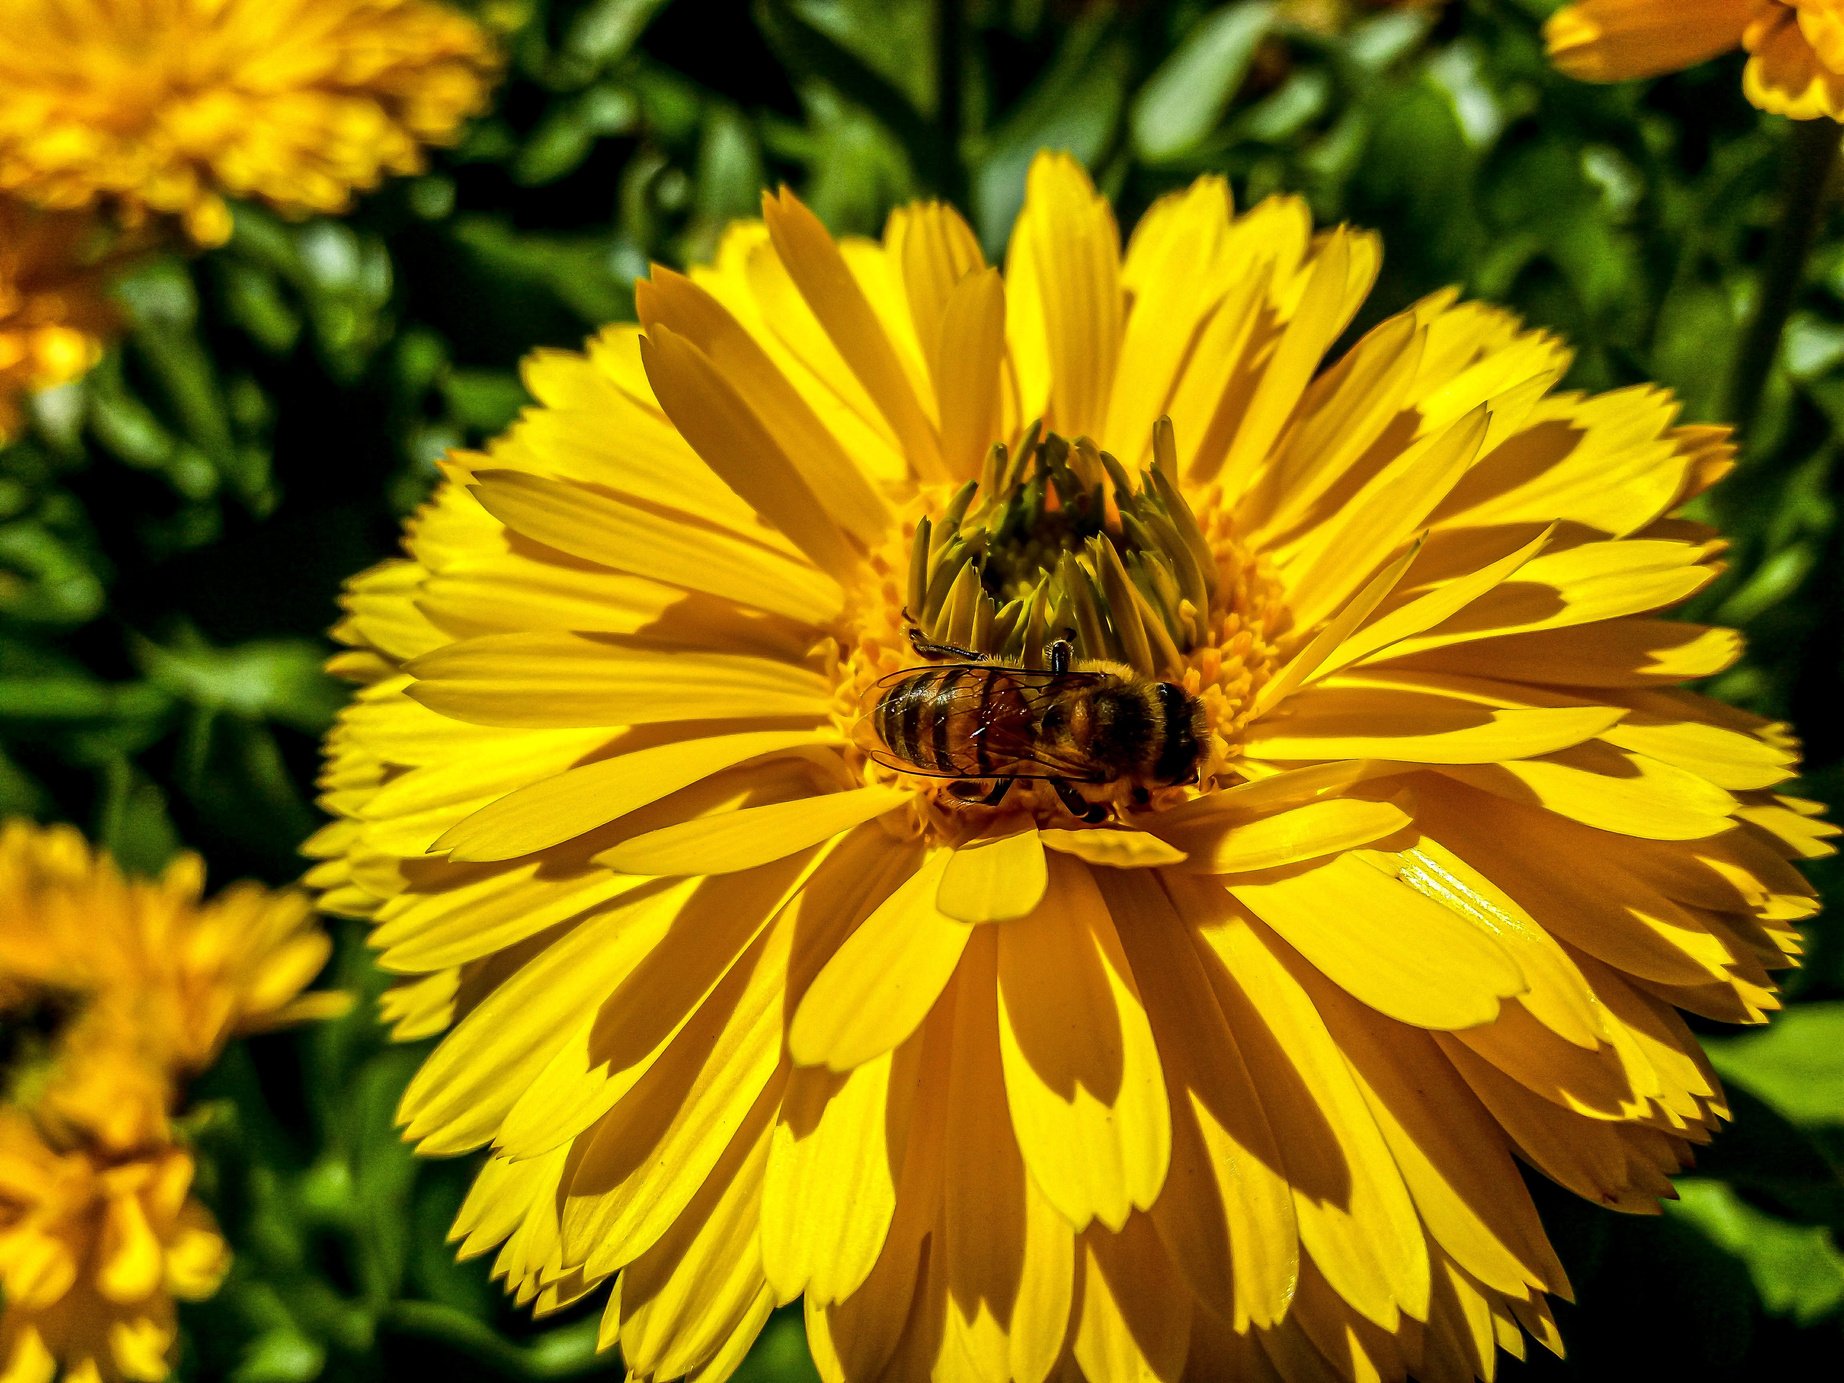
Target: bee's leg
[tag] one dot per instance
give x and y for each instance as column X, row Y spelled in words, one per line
column 997, row 795
column 928, row 648
column 966, row 792
column 1061, row 652
column 1076, row 804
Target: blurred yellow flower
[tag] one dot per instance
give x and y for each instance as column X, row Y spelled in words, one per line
column 93, row 1252
column 54, row 312
column 125, row 988
column 167, row 107
column 113, row 992
column 1796, row 47
column 1421, row 847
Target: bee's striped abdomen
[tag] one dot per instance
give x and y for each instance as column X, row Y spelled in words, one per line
column 936, row 718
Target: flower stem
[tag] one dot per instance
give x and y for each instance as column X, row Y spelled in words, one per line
column 950, row 68
column 1811, row 168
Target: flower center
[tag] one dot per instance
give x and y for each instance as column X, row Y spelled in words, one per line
column 1058, row 552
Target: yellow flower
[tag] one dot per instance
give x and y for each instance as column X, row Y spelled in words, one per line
column 54, row 312
column 120, row 989
column 1796, row 47
column 1228, row 1083
column 166, row 107
column 93, row 1252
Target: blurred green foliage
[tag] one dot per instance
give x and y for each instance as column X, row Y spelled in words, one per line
column 174, row 529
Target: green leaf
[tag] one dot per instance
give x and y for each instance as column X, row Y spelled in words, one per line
column 1793, row 1063
column 1075, row 107
column 1797, row 1269
column 282, row 1356
column 780, row 1354
column 813, row 52
column 1186, row 98
column 266, row 679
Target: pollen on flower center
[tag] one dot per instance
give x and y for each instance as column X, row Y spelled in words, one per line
column 1057, row 540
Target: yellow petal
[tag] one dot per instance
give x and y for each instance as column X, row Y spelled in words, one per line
column 1113, row 849
column 818, row 465
column 881, row 983
column 1785, row 76
column 533, row 589
column 858, row 1337
column 1343, row 416
column 756, row 287
column 1610, row 789
column 1338, row 280
column 936, row 250
column 1226, row 1215
column 752, row 836
column 1464, row 1182
column 1339, row 554
column 623, row 448
column 1006, row 1254
column 1316, row 656
column 476, row 1074
column 1132, row 1325
column 1727, row 758
column 1385, row 944
column 1426, row 611
column 968, row 360
column 1556, row 995
column 140, row 1346
column 1338, row 721
column 1357, row 1222
column 830, row 1189
column 1082, row 1074
column 130, row 1261
column 1579, row 585
column 994, row 878
column 484, row 911
column 681, row 1301
column 614, row 1045
column 1176, row 271
column 1598, row 1160
column 197, row 1257
column 561, row 680
column 1620, row 40
column 580, row 799
column 824, row 279
column 681, row 552
column 1068, row 232
column 1287, row 837
column 1271, row 788
column 1617, row 653
column 720, row 1079
column 737, row 444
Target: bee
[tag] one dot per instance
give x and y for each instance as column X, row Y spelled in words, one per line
column 987, row 724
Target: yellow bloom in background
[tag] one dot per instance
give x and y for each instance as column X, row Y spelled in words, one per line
column 125, row 988
column 167, row 107
column 93, row 1252
column 54, row 311
column 114, row 991
column 1402, row 869
column 1795, row 47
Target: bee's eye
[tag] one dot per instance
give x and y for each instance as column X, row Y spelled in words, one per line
column 1054, row 718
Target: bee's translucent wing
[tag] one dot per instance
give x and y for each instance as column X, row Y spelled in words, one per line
column 999, row 702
